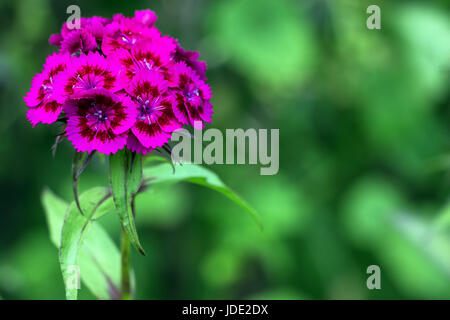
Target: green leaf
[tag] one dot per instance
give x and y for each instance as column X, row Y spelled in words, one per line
column 59, row 138
column 163, row 173
column 74, row 229
column 158, row 159
column 125, row 174
column 84, row 243
column 55, row 209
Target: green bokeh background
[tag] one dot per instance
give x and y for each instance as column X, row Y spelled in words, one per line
column 364, row 153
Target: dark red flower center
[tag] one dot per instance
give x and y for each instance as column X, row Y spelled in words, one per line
column 149, row 109
column 98, row 116
column 191, row 91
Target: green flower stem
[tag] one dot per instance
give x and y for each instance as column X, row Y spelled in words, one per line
column 125, row 287
column 125, row 175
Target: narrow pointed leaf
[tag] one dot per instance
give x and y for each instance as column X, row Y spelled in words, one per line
column 55, row 208
column 74, row 229
column 59, row 138
column 94, row 252
column 158, row 159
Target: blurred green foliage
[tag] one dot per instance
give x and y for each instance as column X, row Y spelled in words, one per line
column 364, row 153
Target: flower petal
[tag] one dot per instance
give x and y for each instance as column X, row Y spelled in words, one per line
column 45, row 113
column 150, row 135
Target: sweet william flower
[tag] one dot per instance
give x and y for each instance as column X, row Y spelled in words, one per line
column 192, row 97
column 147, row 55
column 125, row 33
column 120, row 88
column 41, row 102
column 91, row 71
column 155, row 118
column 94, row 26
column 99, row 120
column 123, row 69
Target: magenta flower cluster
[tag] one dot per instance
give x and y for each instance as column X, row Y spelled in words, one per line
column 119, row 83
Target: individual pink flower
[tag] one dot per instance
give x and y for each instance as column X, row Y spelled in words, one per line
column 96, row 26
column 147, row 55
column 155, row 119
column 126, row 33
column 79, row 41
column 192, row 97
column 42, row 106
column 91, row 71
column 99, row 120
column 191, row 60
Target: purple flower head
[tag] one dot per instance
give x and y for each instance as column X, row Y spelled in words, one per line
column 155, row 119
column 86, row 72
column 120, row 83
column 42, row 106
column 99, row 120
column 192, row 96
